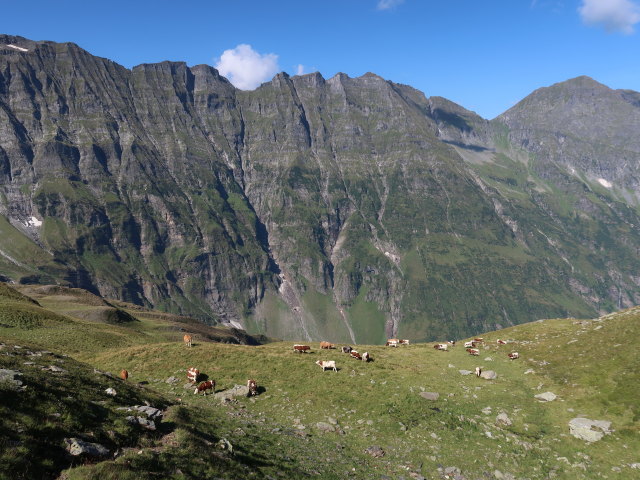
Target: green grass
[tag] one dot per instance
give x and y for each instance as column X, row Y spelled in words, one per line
column 591, row 365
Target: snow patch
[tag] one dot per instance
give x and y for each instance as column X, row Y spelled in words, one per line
column 15, row 47
column 605, row 183
column 235, row 324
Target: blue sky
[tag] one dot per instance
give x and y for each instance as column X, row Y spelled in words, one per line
column 483, row 54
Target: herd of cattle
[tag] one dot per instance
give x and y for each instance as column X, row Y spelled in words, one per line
column 193, row 374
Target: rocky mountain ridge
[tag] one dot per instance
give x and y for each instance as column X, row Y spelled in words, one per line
column 343, row 208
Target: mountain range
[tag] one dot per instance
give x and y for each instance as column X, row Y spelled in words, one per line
column 347, row 209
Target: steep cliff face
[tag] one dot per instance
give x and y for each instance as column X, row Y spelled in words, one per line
column 347, row 209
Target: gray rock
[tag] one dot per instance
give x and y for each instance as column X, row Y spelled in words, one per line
column 489, row 375
column 143, row 422
column 77, row 447
column 465, row 372
column 224, row 444
column 325, row 427
column 150, row 412
column 546, row 396
column 111, row 391
column 589, row 430
column 172, row 380
column 503, row 420
column 430, row 395
column 55, row 369
column 451, row 472
column 8, row 377
column 230, row 394
column 375, row 451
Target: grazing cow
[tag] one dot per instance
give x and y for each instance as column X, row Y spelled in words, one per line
column 403, row 342
column 469, row 344
column 366, row 357
column 452, row 343
column 327, row 345
column 473, row 351
column 441, row 346
column 478, row 371
column 204, row 386
column 355, row 355
column 478, row 340
column 346, row 349
column 187, row 340
column 193, row 374
column 124, row 374
column 301, row 348
column 501, row 342
column 327, row 364
column 513, row 355
column 392, row 342
column 253, row 388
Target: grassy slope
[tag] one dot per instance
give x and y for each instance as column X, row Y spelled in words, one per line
column 374, row 404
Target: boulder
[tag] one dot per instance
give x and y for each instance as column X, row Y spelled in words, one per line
column 589, row 430
column 325, row 427
column 236, row 391
column 172, row 380
column 430, row 395
column 111, row 391
column 143, row 422
column 77, row 447
column 55, row 369
column 546, row 396
column 489, row 375
column 465, row 372
column 375, row 451
column 503, row 420
column 9, row 378
column 150, row 412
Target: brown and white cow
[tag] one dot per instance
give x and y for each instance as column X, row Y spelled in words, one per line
column 470, row 344
column 501, row 342
column 124, row 374
column 193, row 374
column 404, row 342
column 441, row 346
column 253, row 388
column 366, row 357
column 473, row 351
column 355, row 355
column 327, row 364
column 392, row 342
column 204, row 386
column 514, row 355
column 478, row 340
column 187, row 340
column 301, row 348
column 327, row 345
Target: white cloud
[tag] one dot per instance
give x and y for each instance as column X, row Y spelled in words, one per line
column 300, row 69
column 388, row 4
column 614, row 15
column 246, row 68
